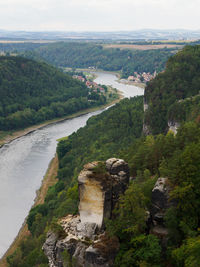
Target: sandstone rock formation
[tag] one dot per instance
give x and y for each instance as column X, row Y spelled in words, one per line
column 160, row 203
column 86, row 243
column 173, row 126
column 146, row 129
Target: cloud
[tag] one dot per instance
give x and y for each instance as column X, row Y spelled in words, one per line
column 98, row 14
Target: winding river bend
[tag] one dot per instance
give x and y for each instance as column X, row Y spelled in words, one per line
column 24, row 161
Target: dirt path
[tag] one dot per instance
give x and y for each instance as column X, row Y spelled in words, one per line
column 49, row 180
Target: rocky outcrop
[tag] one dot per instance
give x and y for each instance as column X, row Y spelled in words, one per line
column 146, row 106
column 99, row 189
column 173, row 126
column 86, row 243
column 146, row 129
column 160, row 203
column 160, row 198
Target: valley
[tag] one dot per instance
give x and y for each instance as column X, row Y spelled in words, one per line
column 150, row 140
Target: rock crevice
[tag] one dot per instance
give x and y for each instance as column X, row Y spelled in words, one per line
column 86, row 243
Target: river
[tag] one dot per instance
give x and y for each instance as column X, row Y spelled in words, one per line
column 24, row 162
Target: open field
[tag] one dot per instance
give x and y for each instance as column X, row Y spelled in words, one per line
column 142, row 47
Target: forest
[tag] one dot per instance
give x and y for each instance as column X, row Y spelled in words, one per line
column 173, row 89
column 84, row 55
column 118, row 133
column 90, row 54
column 32, row 92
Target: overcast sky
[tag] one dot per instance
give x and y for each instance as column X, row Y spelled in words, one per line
column 98, row 15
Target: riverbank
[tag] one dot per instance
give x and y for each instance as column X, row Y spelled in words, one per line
column 123, row 81
column 10, row 136
column 50, row 177
column 48, row 180
column 127, row 91
column 140, row 84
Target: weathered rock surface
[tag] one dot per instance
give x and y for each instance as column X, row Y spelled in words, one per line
column 160, row 203
column 146, row 106
column 173, row 126
column 86, row 243
column 99, row 189
column 145, row 129
column 160, row 199
column 49, row 248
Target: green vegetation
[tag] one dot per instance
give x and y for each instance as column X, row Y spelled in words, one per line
column 180, row 80
column 14, row 48
column 84, row 55
column 32, row 92
column 117, row 132
column 111, row 136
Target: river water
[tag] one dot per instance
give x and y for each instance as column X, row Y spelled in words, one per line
column 24, row 161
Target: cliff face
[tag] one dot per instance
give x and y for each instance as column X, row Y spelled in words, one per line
column 146, row 128
column 160, row 203
column 94, row 194
column 86, row 243
column 173, row 126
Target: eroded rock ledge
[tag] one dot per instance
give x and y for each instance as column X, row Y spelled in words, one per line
column 86, row 243
column 161, row 202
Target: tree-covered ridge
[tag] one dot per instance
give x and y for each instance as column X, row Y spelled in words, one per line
column 13, row 47
column 117, row 133
column 103, row 136
column 175, row 157
column 185, row 110
column 114, row 130
column 31, row 92
column 180, row 80
column 84, row 55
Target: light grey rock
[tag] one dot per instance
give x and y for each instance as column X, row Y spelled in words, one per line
column 109, row 163
column 146, row 129
column 146, row 106
column 94, row 259
column 173, row 126
column 87, row 229
column 114, row 166
column 79, row 255
column 160, row 198
column 98, row 194
column 49, row 248
column 160, row 204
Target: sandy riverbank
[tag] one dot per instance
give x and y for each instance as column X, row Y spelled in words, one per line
column 123, row 81
column 17, row 134
column 48, row 180
column 50, row 177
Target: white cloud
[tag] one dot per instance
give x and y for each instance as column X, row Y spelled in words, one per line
column 98, row 14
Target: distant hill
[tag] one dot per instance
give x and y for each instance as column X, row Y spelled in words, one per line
column 152, row 231
column 143, row 34
column 32, row 92
column 165, row 94
column 85, row 55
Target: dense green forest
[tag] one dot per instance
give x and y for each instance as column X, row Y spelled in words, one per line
column 118, row 133
column 32, row 92
column 84, row 55
column 104, row 136
column 89, row 54
column 164, row 94
column 19, row 47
